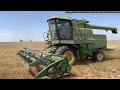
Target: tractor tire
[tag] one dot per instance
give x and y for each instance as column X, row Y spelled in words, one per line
column 68, row 52
column 99, row 55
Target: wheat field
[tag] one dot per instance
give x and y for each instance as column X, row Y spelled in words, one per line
column 11, row 68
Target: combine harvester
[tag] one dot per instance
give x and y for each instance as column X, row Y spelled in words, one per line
column 68, row 40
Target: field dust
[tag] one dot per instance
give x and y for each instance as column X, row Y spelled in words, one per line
column 108, row 69
column 11, row 68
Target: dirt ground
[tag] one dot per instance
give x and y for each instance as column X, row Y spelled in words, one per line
column 11, row 68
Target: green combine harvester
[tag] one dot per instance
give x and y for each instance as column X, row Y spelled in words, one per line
column 68, row 40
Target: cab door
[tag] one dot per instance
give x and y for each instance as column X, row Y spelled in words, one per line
column 65, row 30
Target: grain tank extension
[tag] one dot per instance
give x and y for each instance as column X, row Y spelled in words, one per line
column 68, row 40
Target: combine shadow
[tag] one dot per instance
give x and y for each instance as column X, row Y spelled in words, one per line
column 85, row 62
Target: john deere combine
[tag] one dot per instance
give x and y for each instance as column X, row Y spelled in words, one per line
column 68, row 40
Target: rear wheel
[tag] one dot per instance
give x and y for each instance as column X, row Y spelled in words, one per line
column 99, row 55
column 68, row 52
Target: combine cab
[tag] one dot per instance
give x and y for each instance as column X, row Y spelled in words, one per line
column 68, row 40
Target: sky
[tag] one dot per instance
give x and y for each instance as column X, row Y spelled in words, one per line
column 29, row 25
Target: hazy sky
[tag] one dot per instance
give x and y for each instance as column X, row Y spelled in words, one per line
column 29, row 25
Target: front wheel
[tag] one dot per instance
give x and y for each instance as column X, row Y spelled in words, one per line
column 69, row 53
